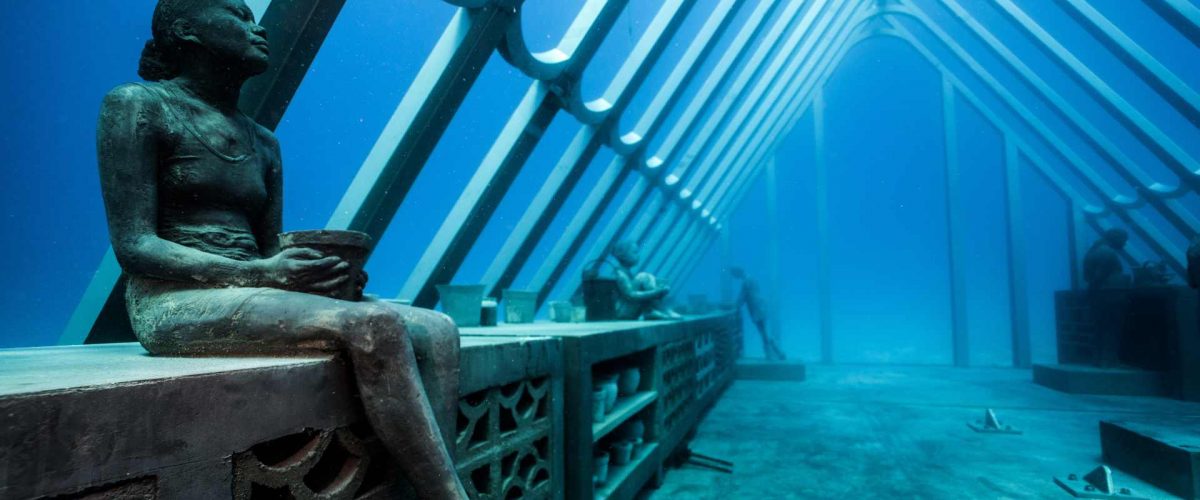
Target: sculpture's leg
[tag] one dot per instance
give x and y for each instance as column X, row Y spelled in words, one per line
column 646, row 282
column 436, row 345
column 771, row 349
column 390, row 384
column 174, row 320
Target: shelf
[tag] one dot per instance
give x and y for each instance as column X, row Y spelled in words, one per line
column 617, row 474
column 626, row 407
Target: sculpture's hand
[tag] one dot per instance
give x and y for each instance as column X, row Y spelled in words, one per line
column 664, row 290
column 304, row 270
column 362, row 281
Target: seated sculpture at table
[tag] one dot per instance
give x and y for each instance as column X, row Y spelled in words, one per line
column 639, row 294
column 192, row 188
column 1102, row 266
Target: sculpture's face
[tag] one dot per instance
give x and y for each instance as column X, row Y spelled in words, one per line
column 628, row 255
column 226, row 28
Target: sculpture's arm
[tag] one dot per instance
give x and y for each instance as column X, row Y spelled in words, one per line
column 271, row 221
column 127, row 144
column 625, row 286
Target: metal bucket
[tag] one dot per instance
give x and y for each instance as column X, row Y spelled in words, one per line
column 600, row 297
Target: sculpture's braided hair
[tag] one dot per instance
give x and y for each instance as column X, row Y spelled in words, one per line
column 160, row 56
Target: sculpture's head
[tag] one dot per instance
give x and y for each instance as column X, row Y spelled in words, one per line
column 215, row 32
column 626, row 252
column 1116, row 238
column 737, row 272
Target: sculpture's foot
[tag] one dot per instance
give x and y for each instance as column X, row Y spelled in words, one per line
column 662, row 314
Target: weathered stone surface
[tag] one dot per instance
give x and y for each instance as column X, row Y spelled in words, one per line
column 83, row 418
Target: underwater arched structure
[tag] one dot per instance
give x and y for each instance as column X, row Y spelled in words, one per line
column 697, row 147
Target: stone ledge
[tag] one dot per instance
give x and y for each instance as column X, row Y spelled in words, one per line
column 85, row 416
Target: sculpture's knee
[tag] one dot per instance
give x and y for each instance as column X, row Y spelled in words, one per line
column 645, row 281
column 441, row 331
column 375, row 329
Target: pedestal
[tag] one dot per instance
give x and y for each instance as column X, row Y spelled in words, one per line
column 1080, row 379
column 1134, row 341
column 1163, row 451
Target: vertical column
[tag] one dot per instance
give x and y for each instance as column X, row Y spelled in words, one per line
column 954, row 226
column 775, row 323
column 824, row 294
column 1018, row 301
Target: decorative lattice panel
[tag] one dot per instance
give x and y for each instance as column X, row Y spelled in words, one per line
column 503, row 450
column 504, row 441
column 678, row 363
column 307, row 465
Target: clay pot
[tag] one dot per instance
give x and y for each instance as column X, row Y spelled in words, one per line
column 463, row 303
column 608, row 384
column 600, row 468
column 350, row 246
column 629, row 381
column 599, row 396
column 520, row 306
column 561, row 311
column 635, row 430
column 622, row 452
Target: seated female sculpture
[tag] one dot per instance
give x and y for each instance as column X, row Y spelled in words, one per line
column 192, row 188
column 640, row 295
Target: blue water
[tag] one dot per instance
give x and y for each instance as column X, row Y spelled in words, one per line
column 885, row 150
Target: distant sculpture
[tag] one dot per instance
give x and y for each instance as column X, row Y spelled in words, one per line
column 756, row 308
column 192, row 188
column 1193, row 264
column 639, row 295
column 1102, row 264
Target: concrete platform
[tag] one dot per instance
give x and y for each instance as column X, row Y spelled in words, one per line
column 1164, row 451
column 1081, row 379
column 901, row 432
column 762, row 369
column 108, row 419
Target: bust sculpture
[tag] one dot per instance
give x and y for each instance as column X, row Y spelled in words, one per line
column 639, row 294
column 192, row 189
column 1102, row 264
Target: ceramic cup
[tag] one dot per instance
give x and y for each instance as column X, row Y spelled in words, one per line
column 622, row 452
column 600, row 468
column 629, row 380
column 599, row 398
column 611, row 401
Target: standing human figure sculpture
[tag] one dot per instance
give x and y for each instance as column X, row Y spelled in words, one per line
column 750, row 296
column 192, row 188
column 639, row 294
column 1102, row 266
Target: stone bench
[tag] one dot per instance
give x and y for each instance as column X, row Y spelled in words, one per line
column 111, row 421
